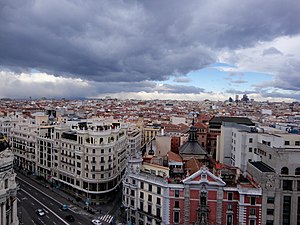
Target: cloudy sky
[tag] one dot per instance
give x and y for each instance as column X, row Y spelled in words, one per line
column 169, row 49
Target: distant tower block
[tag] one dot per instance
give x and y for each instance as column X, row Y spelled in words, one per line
column 236, row 98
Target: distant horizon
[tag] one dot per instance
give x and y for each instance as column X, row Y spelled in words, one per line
column 191, row 50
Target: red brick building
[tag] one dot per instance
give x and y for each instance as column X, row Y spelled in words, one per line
column 204, row 198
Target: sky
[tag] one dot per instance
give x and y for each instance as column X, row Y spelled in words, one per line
column 171, row 49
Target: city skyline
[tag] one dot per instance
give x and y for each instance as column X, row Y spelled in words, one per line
column 150, row 50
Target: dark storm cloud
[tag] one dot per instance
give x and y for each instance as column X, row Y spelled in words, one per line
column 134, row 40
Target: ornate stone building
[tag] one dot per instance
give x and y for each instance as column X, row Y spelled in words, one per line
column 8, row 188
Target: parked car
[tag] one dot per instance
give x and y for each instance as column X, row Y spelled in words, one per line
column 70, row 218
column 40, row 212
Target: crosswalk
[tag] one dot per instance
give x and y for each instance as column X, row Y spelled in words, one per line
column 107, row 218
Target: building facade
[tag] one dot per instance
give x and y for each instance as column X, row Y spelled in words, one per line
column 150, row 197
column 8, row 189
column 85, row 159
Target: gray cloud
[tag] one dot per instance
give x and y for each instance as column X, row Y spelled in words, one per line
column 134, row 41
column 239, row 92
column 272, row 51
column 182, row 79
column 29, row 85
column 239, row 81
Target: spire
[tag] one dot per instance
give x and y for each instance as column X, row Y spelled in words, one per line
column 193, row 132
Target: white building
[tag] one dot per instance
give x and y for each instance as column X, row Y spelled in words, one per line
column 86, row 159
column 8, row 189
column 237, row 145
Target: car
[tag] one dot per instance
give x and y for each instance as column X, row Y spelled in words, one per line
column 70, row 218
column 40, row 212
column 64, row 207
column 96, row 222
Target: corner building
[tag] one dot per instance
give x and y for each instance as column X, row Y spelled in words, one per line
column 89, row 163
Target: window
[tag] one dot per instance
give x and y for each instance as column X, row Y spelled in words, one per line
column 284, row 170
column 229, row 220
column 297, row 142
column 286, row 212
column 142, row 185
column 150, row 198
column 158, row 190
column 253, row 200
column 141, row 205
column 252, row 212
column 157, row 212
column 149, row 209
column 251, row 222
column 270, row 211
column 132, row 192
column 158, row 201
column 142, row 195
column 176, row 217
column 270, row 200
column 250, row 149
column 287, row 143
column 150, row 187
column 132, row 202
column 297, row 171
column 229, row 196
column 287, row 185
column 176, row 205
column 229, row 207
column 250, row 140
column 176, row 193
column 270, row 222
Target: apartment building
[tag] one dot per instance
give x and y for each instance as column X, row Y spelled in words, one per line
column 86, row 159
column 237, row 144
column 214, row 130
column 149, row 132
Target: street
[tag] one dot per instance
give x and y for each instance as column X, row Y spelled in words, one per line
column 31, row 198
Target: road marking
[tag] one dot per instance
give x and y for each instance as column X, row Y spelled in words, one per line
column 54, row 222
column 46, row 207
column 32, row 203
column 47, row 216
column 79, row 223
column 51, row 203
column 33, row 222
column 36, row 193
column 48, row 196
column 41, row 220
column 43, row 198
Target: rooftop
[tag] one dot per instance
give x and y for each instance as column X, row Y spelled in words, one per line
column 262, row 166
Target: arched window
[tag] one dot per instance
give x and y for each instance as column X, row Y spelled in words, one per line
column 284, row 170
column 297, row 171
